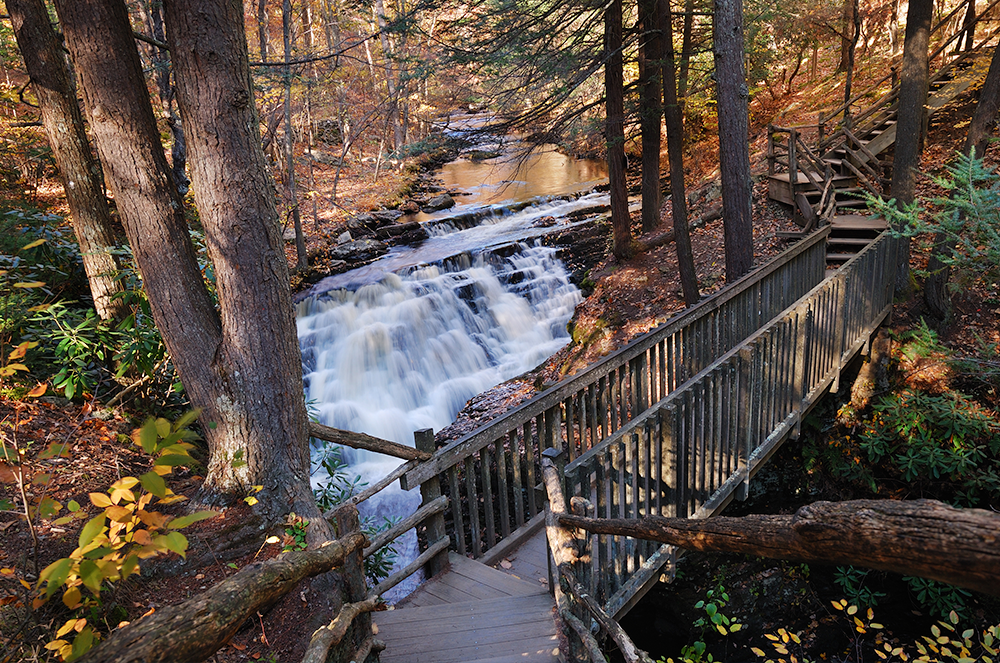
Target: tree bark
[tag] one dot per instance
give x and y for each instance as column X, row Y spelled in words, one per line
column 848, row 63
column 936, row 294
column 262, row 29
column 674, row 114
column 687, row 47
column 614, row 90
column 909, row 119
column 734, row 139
column 81, row 173
column 650, row 111
column 918, row 537
column 197, row 628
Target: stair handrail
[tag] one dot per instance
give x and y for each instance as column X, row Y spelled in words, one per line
column 894, row 91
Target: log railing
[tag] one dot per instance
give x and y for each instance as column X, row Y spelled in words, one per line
column 491, row 475
column 691, row 452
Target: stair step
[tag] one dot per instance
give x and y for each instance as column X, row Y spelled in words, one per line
column 853, row 241
column 857, row 222
column 492, row 630
column 839, row 257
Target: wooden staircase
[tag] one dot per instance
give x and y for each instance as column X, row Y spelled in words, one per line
column 472, row 612
column 824, row 175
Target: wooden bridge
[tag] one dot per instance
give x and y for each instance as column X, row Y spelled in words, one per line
column 676, row 423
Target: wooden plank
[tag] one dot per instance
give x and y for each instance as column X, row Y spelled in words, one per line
column 493, row 579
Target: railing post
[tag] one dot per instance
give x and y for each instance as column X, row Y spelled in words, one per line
column 558, row 458
column 355, row 585
column 804, row 333
column 430, row 490
column 793, row 165
column 744, row 417
column 770, row 149
column 670, row 462
column 838, row 338
column 822, row 130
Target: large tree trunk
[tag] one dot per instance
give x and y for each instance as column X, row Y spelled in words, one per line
column 848, row 64
column 614, row 90
column 197, row 628
column 910, row 118
column 919, row 537
column 91, row 219
column 650, row 111
column 240, row 365
column 674, row 115
column 978, row 139
column 734, row 139
column 256, row 373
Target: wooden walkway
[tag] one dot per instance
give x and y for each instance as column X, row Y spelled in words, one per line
column 472, row 612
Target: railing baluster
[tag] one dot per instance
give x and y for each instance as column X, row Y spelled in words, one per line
column 518, row 487
column 488, row 501
column 473, row 499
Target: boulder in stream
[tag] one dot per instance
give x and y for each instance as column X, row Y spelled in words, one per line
column 358, row 250
column 444, row 201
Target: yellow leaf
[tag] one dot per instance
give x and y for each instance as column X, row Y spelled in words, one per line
column 100, row 500
column 56, row 644
column 852, row 609
column 39, row 390
column 118, row 494
column 251, row 500
column 71, row 598
column 31, row 245
column 125, row 483
column 29, row 284
column 67, row 627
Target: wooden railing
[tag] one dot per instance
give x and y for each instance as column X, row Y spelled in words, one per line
column 491, row 475
column 692, row 451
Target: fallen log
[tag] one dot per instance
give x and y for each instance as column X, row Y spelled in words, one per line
column 923, row 538
column 367, row 442
column 329, row 635
column 197, row 628
column 667, row 237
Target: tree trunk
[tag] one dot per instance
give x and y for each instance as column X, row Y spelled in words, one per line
column 262, row 29
column 390, row 82
column 969, row 26
column 256, row 373
column 197, row 628
column 242, row 364
column 978, row 139
column 650, row 112
column 291, row 191
column 847, row 33
column 160, row 58
column 849, row 64
column 614, row 90
column 674, row 115
column 918, row 537
column 81, row 173
column 734, row 139
column 687, row 46
column 910, row 118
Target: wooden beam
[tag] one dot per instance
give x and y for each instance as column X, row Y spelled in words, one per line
column 366, row 442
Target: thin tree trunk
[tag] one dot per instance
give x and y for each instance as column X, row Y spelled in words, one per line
column 81, row 173
column 262, row 29
column 936, row 294
column 687, row 46
column 734, row 139
column 390, row 81
column 969, row 25
column 846, row 32
column 291, row 191
column 650, row 112
column 160, row 59
column 849, row 66
column 910, row 119
column 674, row 116
column 615, row 129
column 915, row 537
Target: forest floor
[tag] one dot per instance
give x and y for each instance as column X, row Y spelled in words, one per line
column 629, row 297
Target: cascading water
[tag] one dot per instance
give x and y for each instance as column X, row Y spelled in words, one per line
column 404, row 343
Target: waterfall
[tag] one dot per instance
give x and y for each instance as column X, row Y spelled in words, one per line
column 408, row 352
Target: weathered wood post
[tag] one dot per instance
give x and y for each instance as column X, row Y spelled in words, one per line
column 746, row 386
column 355, row 585
column 430, row 490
